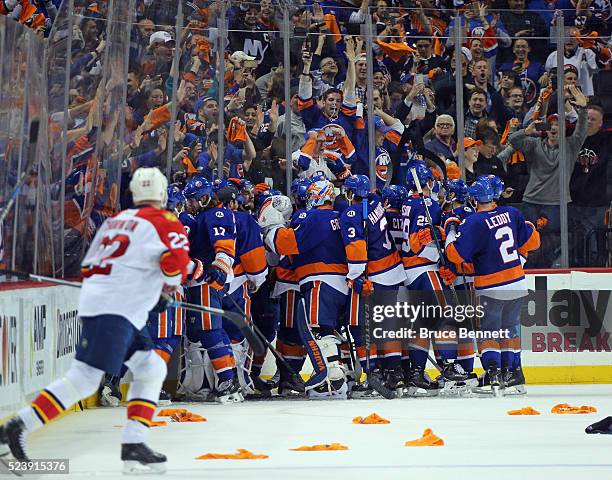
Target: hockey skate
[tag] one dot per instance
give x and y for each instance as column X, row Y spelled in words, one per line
column 453, row 381
column 138, row 458
column 363, row 390
column 491, row 383
column 290, row 384
column 514, row 381
column 418, row 384
column 110, row 395
column 12, row 439
column 229, row 392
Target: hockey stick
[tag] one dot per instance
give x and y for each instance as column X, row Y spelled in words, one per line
column 233, row 317
column 263, row 338
column 312, row 349
column 33, row 137
column 442, row 258
column 367, row 304
column 356, row 365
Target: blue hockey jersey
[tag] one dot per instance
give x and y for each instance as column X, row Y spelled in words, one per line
column 250, row 262
column 419, row 259
column 316, row 246
column 493, row 241
column 383, row 260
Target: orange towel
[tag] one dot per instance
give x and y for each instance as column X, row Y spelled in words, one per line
column 524, row 411
column 187, row 417
column 158, row 424
column 241, row 455
column 564, row 408
column 320, row 448
column 396, row 51
column 372, row 419
column 429, row 439
column 168, row 412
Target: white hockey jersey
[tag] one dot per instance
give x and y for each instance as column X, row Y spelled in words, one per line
column 130, row 259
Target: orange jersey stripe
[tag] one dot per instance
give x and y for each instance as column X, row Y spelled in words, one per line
column 226, row 246
column 453, row 255
column 356, row 251
column 320, row 268
column 505, row 276
column 383, row 264
column 286, row 242
column 254, row 261
column 222, row 363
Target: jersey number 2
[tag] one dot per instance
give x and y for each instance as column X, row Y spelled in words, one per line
column 507, row 249
column 110, row 248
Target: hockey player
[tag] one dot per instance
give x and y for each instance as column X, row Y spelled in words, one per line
column 145, row 245
column 393, row 197
column 458, row 210
column 374, row 268
column 492, row 239
column 421, row 258
column 320, row 265
column 287, row 289
column 213, row 240
column 250, row 272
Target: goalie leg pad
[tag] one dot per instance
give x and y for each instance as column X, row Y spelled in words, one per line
column 219, row 351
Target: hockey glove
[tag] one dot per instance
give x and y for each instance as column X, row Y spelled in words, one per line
column 452, row 224
column 361, row 285
column 162, row 303
column 424, row 237
column 196, row 272
column 448, row 275
column 215, row 277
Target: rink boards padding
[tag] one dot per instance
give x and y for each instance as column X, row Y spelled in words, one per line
column 566, row 325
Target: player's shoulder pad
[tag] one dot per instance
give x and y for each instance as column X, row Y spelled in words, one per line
column 351, row 212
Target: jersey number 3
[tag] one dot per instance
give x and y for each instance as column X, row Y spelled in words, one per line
column 507, row 248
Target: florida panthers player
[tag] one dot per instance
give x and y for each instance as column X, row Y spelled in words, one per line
column 145, row 245
column 321, row 269
column 492, row 240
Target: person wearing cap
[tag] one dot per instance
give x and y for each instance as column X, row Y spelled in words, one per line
column 443, row 142
column 542, row 195
column 471, row 156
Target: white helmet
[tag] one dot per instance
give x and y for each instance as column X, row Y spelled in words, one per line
column 149, row 183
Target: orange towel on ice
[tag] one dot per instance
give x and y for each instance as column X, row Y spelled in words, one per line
column 241, row 455
column 564, row 408
column 168, row 412
column 429, row 439
column 320, row 448
column 372, row 419
column 524, row 411
column 187, row 417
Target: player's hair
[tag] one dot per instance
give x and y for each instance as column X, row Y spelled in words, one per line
column 596, row 107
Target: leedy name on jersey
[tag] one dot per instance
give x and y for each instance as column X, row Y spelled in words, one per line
column 498, row 220
column 377, row 214
column 129, row 225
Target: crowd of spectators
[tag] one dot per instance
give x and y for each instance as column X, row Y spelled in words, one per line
column 509, row 109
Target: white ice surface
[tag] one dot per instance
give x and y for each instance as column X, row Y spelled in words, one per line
column 482, row 441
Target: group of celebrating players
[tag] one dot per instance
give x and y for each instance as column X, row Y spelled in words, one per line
column 327, row 258
column 303, row 269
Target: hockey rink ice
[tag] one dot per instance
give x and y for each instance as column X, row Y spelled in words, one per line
column 481, row 439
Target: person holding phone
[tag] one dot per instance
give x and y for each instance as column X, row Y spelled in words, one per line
column 541, row 150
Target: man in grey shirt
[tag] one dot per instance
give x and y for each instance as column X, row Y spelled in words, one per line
column 541, row 199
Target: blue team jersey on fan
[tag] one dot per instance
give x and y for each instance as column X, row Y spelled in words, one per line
column 215, row 231
column 317, row 248
column 383, row 261
column 419, row 259
column 492, row 241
